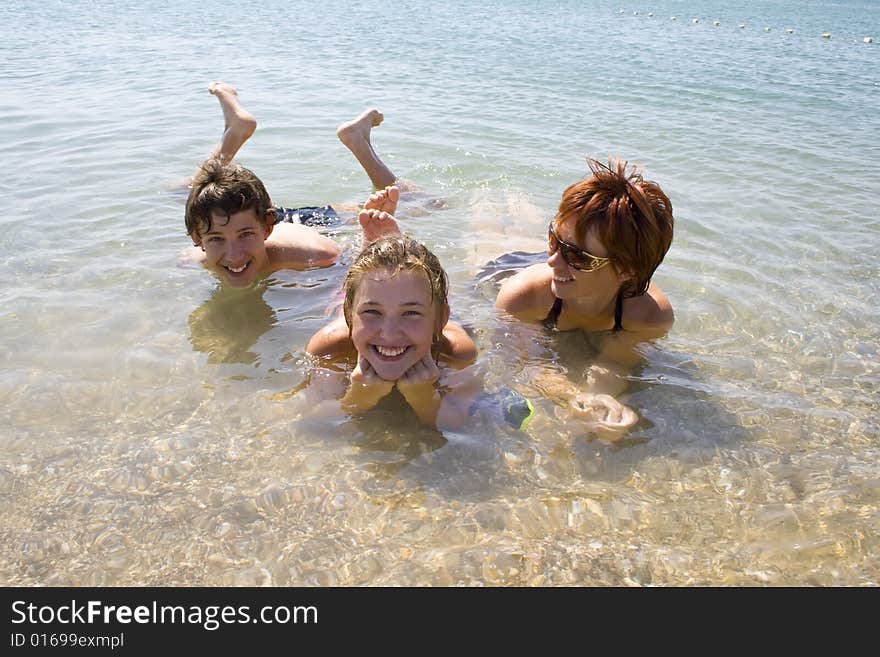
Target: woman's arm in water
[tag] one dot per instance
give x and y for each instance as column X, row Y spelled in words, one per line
column 592, row 400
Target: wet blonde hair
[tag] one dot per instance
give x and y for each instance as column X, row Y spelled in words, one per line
column 396, row 253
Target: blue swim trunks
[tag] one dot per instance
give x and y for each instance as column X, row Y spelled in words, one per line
column 316, row 217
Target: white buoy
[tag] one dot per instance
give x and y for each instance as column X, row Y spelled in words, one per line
column 635, row 13
column 789, row 31
column 766, row 29
column 868, row 40
column 695, row 20
column 716, row 23
column 826, row 35
column 742, row 25
column 621, row 11
column 674, row 18
column 651, row 14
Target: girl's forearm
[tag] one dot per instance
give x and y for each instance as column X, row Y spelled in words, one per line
column 424, row 398
column 359, row 398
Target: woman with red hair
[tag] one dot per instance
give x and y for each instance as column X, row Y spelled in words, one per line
column 611, row 232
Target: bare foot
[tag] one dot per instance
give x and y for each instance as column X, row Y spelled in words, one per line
column 239, row 124
column 354, row 132
column 384, row 200
column 376, row 224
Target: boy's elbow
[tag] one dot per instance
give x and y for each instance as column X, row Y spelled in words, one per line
column 313, row 348
column 326, row 254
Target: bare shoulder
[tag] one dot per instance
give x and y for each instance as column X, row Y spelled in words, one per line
column 526, row 295
column 457, row 345
column 651, row 310
column 331, row 340
column 294, row 246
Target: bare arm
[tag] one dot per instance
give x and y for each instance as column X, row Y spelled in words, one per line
column 460, row 388
column 526, row 295
column 293, row 246
column 317, row 396
column 366, row 388
column 441, row 397
column 417, row 386
column 457, row 345
column 331, row 340
column 438, row 402
column 592, row 402
column 650, row 313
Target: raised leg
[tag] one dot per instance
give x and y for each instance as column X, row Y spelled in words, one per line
column 355, row 134
column 238, row 123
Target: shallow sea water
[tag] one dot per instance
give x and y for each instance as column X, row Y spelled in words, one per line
column 145, row 438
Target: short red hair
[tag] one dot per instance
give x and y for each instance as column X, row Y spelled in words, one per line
column 631, row 216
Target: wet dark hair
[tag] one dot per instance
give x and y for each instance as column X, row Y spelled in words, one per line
column 631, row 216
column 222, row 188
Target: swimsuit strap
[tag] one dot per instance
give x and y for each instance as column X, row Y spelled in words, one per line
column 618, row 313
column 553, row 316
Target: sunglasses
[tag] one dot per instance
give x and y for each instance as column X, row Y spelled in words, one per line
column 573, row 256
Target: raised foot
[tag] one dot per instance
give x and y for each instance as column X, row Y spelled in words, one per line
column 358, row 129
column 238, row 121
column 384, row 200
column 222, row 89
column 376, row 224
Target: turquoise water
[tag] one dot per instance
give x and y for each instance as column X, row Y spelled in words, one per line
column 141, row 438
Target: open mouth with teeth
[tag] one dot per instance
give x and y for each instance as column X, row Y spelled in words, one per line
column 389, row 353
column 235, row 271
column 562, row 279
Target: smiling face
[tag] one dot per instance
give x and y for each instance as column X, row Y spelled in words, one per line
column 586, row 286
column 393, row 320
column 615, row 212
column 235, row 248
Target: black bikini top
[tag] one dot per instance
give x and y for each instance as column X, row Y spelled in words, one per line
column 552, row 317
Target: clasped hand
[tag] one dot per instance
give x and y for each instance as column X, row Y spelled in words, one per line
column 425, row 371
column 603, row 414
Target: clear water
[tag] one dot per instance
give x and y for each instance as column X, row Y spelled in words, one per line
column 142, row 439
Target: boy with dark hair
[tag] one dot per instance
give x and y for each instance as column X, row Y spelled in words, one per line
column 230, row 217
column 236, row 230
